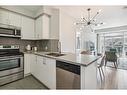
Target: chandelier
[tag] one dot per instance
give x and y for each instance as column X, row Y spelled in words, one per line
column 90, row 20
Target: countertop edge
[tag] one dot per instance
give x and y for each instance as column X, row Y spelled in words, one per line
column 57, row 58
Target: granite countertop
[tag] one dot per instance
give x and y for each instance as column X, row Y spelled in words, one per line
column 82, row 60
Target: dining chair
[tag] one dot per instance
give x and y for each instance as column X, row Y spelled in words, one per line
column 100, row 67
column 111, row 57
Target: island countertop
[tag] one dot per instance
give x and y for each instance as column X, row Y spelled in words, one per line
column 77, row 59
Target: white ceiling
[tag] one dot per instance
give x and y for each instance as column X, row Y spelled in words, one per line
column 32, row 8
column 78, row 11
column 110, row 15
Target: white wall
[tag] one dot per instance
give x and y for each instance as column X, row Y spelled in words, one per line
column 67, row 32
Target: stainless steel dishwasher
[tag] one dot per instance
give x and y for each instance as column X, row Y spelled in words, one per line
column 67, row 76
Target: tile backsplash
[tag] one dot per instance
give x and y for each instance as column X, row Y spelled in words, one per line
column 50, row 44
column 41, row 44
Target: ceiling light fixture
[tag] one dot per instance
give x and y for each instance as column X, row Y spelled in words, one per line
column 90, row 20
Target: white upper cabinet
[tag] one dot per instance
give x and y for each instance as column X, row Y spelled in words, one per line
column 47, row 27
column 38, row 28
column 4, row 17
column 42, row 27
column 10, row 18
column 27, row 28
column 14, row 19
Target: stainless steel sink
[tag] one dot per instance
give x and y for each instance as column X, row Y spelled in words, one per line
column 55, row 54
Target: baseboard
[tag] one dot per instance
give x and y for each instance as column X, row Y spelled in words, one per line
column 25, row 75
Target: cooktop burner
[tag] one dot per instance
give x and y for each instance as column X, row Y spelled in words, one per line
column 9, row 50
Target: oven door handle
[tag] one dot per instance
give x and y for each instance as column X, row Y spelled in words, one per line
column 4, row 59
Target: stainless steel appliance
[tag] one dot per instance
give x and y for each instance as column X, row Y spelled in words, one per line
column 11, row 63
column 67, row 76
column 10, row 31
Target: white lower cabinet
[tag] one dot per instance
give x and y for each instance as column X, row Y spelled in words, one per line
column 29, row 61
column 49, row 72
column 34, row 66
column 44, row 69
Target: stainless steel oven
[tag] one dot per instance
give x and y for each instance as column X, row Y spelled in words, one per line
column 11, row 64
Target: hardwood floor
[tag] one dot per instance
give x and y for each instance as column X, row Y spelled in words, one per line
column 114, row 79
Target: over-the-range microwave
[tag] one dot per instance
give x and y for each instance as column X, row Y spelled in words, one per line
column 10, row 31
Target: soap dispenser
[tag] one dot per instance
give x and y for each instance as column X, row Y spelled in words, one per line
column 46, row 48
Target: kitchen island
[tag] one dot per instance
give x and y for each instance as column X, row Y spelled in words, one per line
column 87, row 63
column 77, row 59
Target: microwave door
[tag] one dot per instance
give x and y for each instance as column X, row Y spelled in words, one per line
column 17, row 32
column 7, row 32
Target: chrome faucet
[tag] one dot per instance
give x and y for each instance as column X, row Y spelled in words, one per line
column 59, row 46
